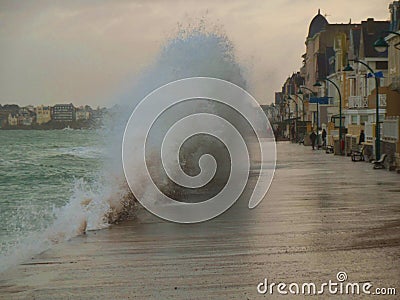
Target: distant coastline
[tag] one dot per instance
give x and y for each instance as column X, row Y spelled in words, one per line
column 59, row 116
column 56, row 125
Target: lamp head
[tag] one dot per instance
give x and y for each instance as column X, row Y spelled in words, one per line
column 381, row 45
column 348, row 68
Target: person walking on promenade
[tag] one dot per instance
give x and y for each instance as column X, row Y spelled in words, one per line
column 313, row 138
column 362, row 137
column 293, row 132
column 323, row 138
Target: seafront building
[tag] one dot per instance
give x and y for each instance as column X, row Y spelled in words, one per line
column 83, row 113
column 12, row 119
column 26, row 116
column 63, row 112
column 57, row 116
column 360, row 83
column 394, row 48
column 334, row 82
column 43, row 114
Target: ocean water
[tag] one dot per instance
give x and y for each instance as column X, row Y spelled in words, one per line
column 40, row 173
column 54, row 185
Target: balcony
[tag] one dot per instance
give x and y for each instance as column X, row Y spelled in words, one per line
column 358, row 102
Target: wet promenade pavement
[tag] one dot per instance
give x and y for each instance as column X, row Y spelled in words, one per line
column 323, row 214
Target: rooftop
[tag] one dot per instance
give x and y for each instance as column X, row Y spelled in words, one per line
column 317, row 24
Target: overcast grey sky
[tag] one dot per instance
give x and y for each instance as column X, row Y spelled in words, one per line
column 86, row 52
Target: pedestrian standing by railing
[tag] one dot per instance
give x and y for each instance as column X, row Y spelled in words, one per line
column 313, row 138
column 362, row 137
column 323, row 138
column 293, row 133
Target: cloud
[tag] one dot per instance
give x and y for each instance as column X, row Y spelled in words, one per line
column 88, row 51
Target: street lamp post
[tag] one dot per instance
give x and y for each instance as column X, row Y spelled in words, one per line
column 317, row 84
column 284, row 113
column 288, row 123
column 313, row 94
column 310, row 90
column 296, row 113
column 296, row 116
column 377, row 126
column 288, row 104
column 295, row 121
column 340, row 113
column 302, row 104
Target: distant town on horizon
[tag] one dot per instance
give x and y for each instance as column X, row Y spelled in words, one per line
column 58, row 116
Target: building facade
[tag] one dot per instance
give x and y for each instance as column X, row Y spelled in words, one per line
column 63, row 113
column 12, row 119
column 360, row 85
column 82, row 113
column 394, row 47
column 334, row 71
column 43, row 114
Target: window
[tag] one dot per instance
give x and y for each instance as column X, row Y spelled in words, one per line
column 382, row 65
column 354, row 120
column 363, row 119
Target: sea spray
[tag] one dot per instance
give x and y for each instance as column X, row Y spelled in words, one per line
column 196, row 51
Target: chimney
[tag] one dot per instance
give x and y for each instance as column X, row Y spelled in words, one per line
column 370, row 25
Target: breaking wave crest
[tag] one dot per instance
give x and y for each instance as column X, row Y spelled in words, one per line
column 193, row 51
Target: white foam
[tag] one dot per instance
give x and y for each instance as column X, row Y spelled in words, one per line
column 194, row 52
